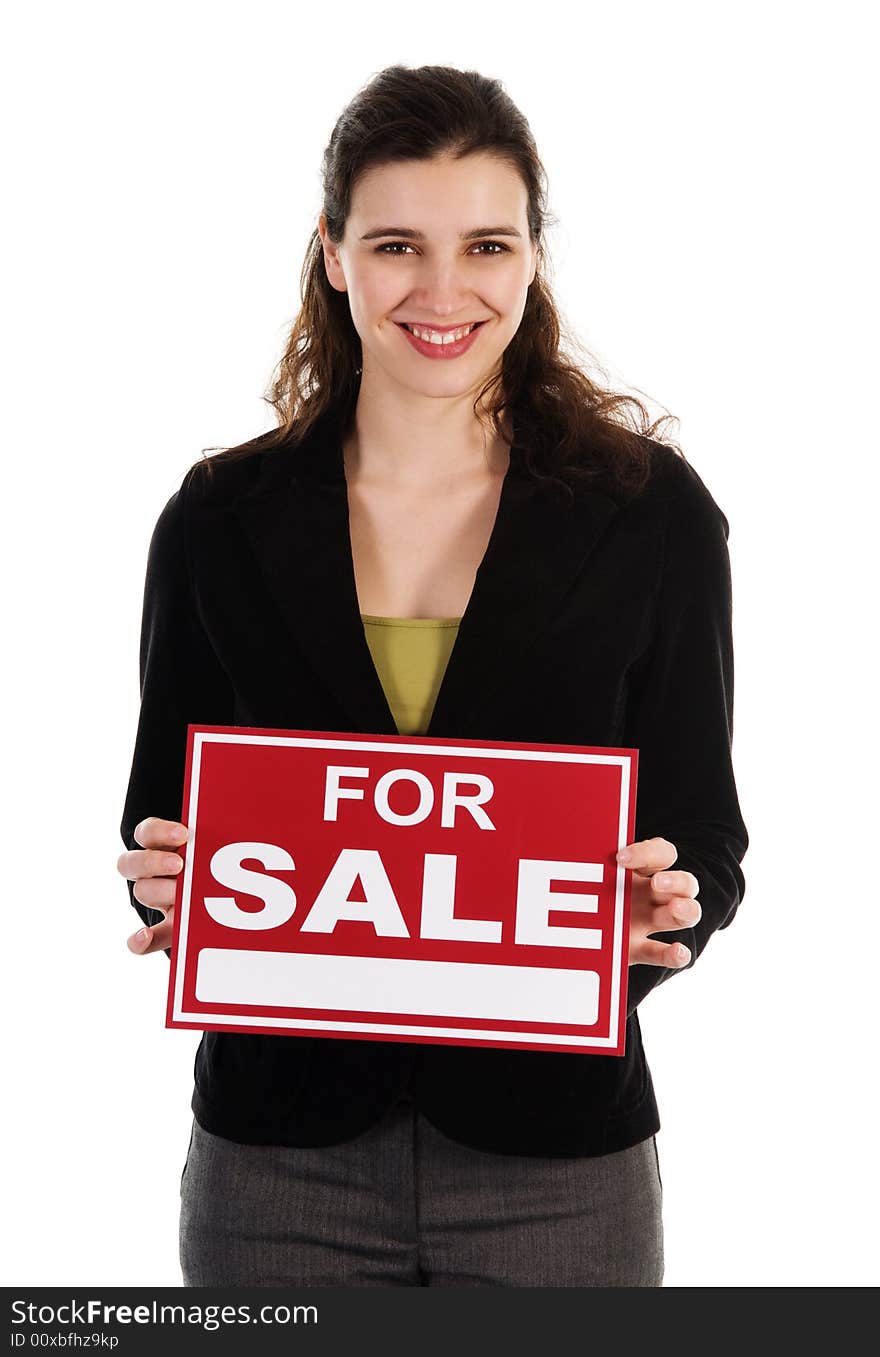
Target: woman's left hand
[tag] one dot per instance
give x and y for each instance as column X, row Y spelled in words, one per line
column 661, row 901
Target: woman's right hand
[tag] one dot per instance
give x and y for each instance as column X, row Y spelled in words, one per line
column 154, row 869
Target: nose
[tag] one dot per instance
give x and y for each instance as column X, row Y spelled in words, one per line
column 442, row 290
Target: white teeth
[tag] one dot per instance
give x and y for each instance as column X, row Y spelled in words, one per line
column 434, row 336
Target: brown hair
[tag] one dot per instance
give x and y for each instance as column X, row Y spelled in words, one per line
column 567, row 425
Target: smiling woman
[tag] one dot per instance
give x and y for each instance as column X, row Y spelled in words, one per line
column 435, row 217
column 453, row 531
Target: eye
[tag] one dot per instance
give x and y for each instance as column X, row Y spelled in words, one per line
column 394, row 245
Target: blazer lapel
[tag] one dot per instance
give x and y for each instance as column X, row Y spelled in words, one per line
column 296, row 519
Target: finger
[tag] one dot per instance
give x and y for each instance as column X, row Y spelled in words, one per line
column 650, row 952
column 136, row 863
column 156, row 833
column 158, row 892
column 647, row 856
column 680, row 912
column 152, row 939
column 676, row 883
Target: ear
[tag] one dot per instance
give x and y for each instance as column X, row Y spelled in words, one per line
column 332, row 261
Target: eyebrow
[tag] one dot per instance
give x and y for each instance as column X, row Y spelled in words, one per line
column 405, row 231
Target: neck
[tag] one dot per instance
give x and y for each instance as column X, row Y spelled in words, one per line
column 435, row 445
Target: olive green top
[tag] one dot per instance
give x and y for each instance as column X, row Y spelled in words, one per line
column 410, row 655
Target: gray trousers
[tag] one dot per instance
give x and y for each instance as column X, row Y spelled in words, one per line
column 403, row 1205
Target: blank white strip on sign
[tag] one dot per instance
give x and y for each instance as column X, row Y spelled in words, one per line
column 448, row 989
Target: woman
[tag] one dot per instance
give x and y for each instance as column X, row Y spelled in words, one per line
column 455, row 538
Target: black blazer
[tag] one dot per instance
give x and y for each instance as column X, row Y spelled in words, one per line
column 602, row 622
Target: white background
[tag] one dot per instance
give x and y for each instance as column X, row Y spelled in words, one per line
column 710, row 169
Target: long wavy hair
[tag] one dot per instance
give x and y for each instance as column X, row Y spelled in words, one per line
column 569, row 426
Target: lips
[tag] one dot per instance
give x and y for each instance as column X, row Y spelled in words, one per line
column 442, row 350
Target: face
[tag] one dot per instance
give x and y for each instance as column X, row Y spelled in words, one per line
column 404, row 258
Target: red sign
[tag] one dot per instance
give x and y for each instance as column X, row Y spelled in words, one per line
column 400, row 888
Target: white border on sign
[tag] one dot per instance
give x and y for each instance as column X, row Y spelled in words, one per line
column 622, row 761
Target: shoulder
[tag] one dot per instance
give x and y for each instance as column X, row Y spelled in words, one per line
column 676, row 490
column 219, row 482
column 208, row 485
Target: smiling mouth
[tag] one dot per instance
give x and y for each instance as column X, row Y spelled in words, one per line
column 452, row 334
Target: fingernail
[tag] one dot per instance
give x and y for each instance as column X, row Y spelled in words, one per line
column 624, row 855
column 142, row 937
column 683, row 955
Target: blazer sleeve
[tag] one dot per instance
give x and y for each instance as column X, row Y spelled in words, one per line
column 181, row 681
column 680, row 718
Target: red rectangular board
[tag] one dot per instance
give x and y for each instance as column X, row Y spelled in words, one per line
column 404, row 888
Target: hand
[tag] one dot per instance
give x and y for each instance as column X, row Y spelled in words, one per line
column 659, row 903
column 154, row 869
